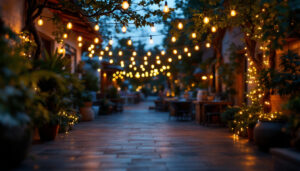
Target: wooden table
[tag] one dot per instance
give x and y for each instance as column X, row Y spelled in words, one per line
column 200, row 111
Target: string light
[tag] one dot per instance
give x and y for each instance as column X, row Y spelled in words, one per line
column 120, row 53
column 100, row 58
column 102, row 53
column 106, row 48
column 197, row 47
column 194, row 35
column 145, row 58
column 170, row 60
column 124, row 29
column 111, row 61
column 153, row 29
column 134, row 53
column 40, row 21
column 166, row 8
column 96, row 40
column 162, row 52
column 96, row 27
column 179, row 57
column 204, row 77
column 69, row 25
column 149, row 53
column 111, row 41
column 213, row 29
column 174, row 51
column 129, row 42
column 79, row 44
column 186, row 49
column 233, row 13
column 125, row 5
column 65, row 35
column 151, row 40
column 206, row 20
column 189, row 54
column 79, row 38
column 207, row 45
column 180, row 25
column 173, row 39
column 110, row 53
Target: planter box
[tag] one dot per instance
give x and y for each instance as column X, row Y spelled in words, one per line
column 285, row 159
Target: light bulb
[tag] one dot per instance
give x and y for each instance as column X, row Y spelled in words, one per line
column 213, row 29
column 40, row 21
column 204, row 77
column 163, row 52
column 207, row 45
column 124, row 29
column 194, row 35
column 65, row 35
column 179, row 57
column 79, row 38
column 79, row 44
column 173, row 39
column 92, row 46
column 151, row 40
column 166, row 8
column 129, row 42
column 96, row 27
column 106, row 48
column 149, row 53
column 180, row 25
column 69, row 25
column 111, row 61
column 174, row 51
column 206, row 20
column 102, row 53
column 96, row 40
column 170, row 60
column 186, row 49
column 197, row 47
column 145, row 58
column 100, row 58
column 134, row 53
column 153, row 29
column 111, row 41
column 110, row 53
column 189, row 54
column 125, row 5
column 233, row 13
column 120, row 53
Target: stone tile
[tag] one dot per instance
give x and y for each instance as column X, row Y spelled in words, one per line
column 141, row 139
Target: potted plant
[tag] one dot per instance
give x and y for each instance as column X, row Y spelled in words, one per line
column 227, row 116
column 86, row 111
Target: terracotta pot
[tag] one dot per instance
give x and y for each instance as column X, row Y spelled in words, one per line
column 250, row 133
column 48, row 132
column 87, row 113
column 269, row 134
column 15, row 143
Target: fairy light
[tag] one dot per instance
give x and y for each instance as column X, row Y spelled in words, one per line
column 40, row 21
column 179, row 57
column 79, row 38
column 124, row 29
column 213, row 29
column 174, row 51
column 166, row 8
column 194, row 35
column 173, row 39
column 153, row 29
column 79, row 44
column 169, row 59
column 102, row 53
column 233, row 13
column 151, row 40
column 120, row 53
column 65, row 35
column 149, row 53
column 207, row 45
column 186, row 49
column 111, row 41
column 162, row 52
column 189, row 54
column 206, row 20
column 110, row 53
column 96, row 40
column 204, row 77
column 129, row 42
column 180, row 25
column 197, row 47
column 96, row 27
column 125, row 5
column 100, row 58
column 69, row 25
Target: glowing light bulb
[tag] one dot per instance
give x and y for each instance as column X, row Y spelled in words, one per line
column 129, row 42
column 186, row 49
column 124, row 29
column 180, row 25
column 153, row 29
column 111, row 61
column 170, row 60
column 233, row 13
column 96, row 40
column 163, row 52
column 106, row 48
column 132, row 58
column 207, row 45
column 149, row 53
column 110, row 53
column 40, row 21
column 92, row 46
column 158, row 62
column 173, row 39
column 134, row 53
column 96, row 27
column 79, row 38
column 204, row 77
column 197, row 47
column 189, row 54
column 100, row 58
column 125, row 5
column 213, row 29
column 65, row 35
column 151, row 40
column 69, row 25
column 179, row 57
column 79, row 44
column 166, row 8
column 120, row 53
column 111, row 41
column 174, row 51
column 206, row 20
column 194, row 35
column 102, row 53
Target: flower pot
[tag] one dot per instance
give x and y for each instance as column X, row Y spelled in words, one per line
column 250, row 131
column 269, row 134
column 87, row 113
column 15, row 142
column 48, row 132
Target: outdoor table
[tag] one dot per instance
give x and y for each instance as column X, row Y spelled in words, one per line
column 180, row 108
column 200, row 111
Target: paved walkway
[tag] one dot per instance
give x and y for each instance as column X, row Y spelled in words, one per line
column 141, row 139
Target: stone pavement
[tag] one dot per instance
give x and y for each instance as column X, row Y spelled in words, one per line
column 141, row 139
